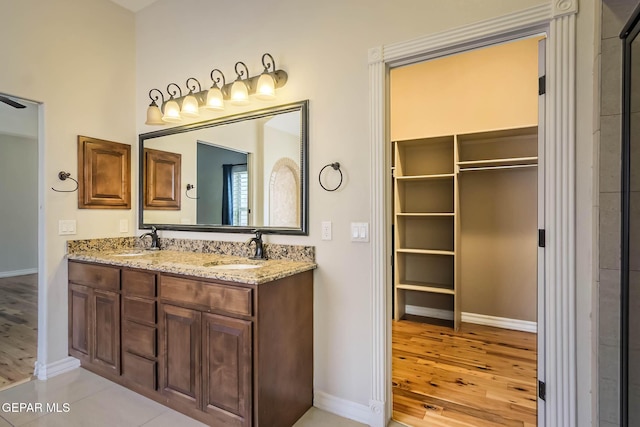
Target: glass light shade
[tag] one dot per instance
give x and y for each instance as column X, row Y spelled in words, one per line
column 154, row 115
column 215, row 100
column 171, row 112
column 266, row 87
column 190, row 107
column 239, row 93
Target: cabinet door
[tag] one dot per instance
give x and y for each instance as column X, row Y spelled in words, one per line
column 106, row 330
column 79, row 321
column 180, row 368
column 226, row 369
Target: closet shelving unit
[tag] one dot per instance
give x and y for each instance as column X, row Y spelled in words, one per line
column 425, row 218
column 427, row 207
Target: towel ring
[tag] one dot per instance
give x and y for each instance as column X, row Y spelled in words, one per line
column 62, row 175
column 335, row 166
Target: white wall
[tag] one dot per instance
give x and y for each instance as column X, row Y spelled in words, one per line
column 323, row 46
column 77, row 58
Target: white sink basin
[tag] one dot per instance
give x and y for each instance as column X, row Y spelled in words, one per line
column 235, row 266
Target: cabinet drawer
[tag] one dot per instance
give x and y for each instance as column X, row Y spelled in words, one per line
column 208, row 295
column 139, row 309
column 139, row 339
column 95, row 276
column 139, row 283
column 140, row 370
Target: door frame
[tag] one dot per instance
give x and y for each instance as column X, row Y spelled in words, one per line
column 558, row 20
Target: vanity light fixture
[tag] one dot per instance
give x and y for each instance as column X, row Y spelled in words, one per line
column 262, row 86
column 190, row 105
column 171, row 107
column 215, row 97
column 154, row 115
column 239, row 88
column 266, row 86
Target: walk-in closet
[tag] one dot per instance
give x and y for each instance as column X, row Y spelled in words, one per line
column 466, row 161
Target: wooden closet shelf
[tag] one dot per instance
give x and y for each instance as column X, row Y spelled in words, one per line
column 424, row 214
column 435, row 288
column 424, row 177
column 425, row 251
column 513, row 161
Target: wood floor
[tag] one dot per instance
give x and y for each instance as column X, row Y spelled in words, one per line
column 479, row 376
column 18, row 328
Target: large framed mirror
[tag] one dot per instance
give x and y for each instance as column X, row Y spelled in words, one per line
column 232, row 174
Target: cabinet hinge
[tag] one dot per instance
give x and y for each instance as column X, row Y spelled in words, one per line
column 542, row 85
column 542, row 390
column 541, row 238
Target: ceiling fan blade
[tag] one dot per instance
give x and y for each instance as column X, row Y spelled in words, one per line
column 11, row 102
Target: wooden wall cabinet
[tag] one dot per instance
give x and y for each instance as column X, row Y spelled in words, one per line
column 224, row 353
column 162, row 177
column 104, row 169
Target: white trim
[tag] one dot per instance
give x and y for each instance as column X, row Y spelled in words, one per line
column 500, row 322
column 434, row 313
column 44, row 372
column 558, row 18
column 344, row 408
column 15, row 273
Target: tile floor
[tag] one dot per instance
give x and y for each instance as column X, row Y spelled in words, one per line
column 96, row 402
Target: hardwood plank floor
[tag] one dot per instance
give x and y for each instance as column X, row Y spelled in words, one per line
column 479, row 376
column 18, row 328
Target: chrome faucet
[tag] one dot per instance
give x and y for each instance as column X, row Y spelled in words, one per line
column 259, row 253
column 155, row 244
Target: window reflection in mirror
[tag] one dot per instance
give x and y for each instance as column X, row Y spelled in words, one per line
column 249, row 171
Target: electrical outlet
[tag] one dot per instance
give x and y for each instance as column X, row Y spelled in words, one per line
column 326, row 230
column 124, row 225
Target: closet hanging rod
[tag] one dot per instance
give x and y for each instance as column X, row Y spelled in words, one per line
column 485, row 168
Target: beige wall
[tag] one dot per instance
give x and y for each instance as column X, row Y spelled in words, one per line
column 484, row 89
column 77, row 58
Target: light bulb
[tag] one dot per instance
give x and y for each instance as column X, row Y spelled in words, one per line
column 266, row 87
column 215, row 100
column 190, row 107
column 171, row 112
column 239, row 93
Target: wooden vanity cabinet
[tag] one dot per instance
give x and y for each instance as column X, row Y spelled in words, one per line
column 94, row 316
column 224, row 353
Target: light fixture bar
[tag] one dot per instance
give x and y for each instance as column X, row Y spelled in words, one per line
column 173, row 109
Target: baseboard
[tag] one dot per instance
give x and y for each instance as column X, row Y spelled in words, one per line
column 43, row 372
column 500, row 322
column 479, row 319
column 15, row 273
column 344, row 408
column 434, row 313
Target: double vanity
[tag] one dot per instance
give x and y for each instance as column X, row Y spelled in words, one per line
column 198, row 326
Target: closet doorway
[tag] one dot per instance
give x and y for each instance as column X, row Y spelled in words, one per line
column 467, row 203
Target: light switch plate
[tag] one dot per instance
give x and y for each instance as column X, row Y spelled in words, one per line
column 124, row 225
column 360, row 232
column 326, row 230
column 66, row 226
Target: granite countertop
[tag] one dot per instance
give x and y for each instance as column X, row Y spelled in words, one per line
column 195, row 264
